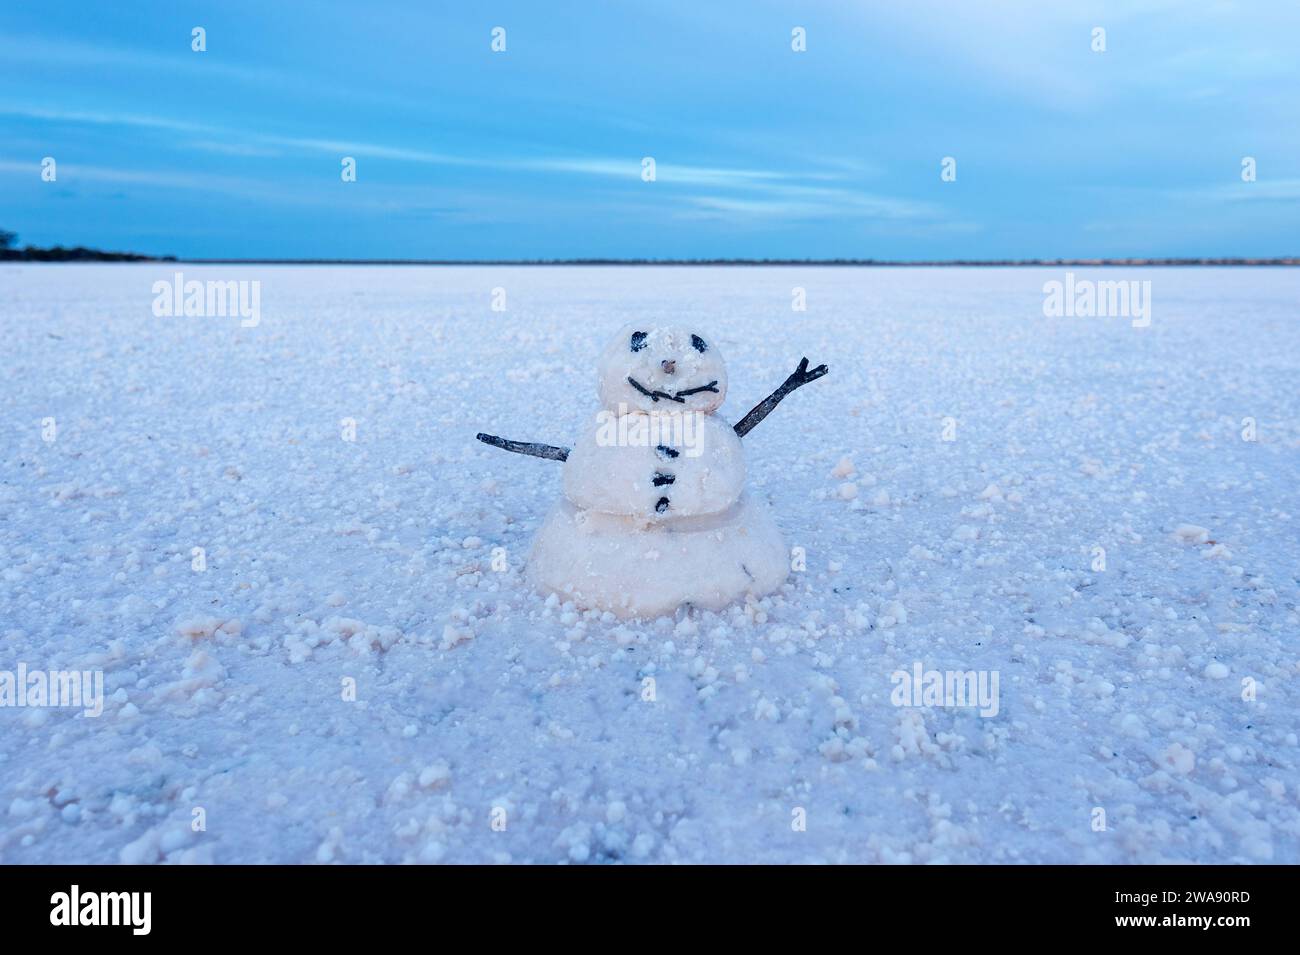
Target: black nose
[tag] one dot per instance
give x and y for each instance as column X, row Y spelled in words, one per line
column 668, row 366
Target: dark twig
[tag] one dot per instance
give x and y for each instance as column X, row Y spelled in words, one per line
column 711, row 386
column 550, row 452
column 652, row 395
column 641, row 388
column 800, row 377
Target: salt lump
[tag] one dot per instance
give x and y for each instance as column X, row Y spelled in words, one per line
column 655, row 513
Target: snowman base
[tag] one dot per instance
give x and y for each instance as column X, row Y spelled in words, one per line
column 637, row 569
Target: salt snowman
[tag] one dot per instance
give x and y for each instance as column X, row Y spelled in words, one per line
column 655, row 513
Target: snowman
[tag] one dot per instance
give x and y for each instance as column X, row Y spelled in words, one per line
column 655, row 514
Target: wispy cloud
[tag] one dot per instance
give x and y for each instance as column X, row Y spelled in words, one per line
column 380, row 198
column 1262, row 190
column 790, row 193
column 1275, row 190
column 668, row 172
column 78, row 55
column 253, row 143
column 803, row 203
column 103, row 118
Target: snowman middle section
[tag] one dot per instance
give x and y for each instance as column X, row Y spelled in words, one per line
column 655, row 515
column 656, row 466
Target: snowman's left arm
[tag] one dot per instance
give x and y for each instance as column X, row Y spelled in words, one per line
column 800, row 377
column 548, row 451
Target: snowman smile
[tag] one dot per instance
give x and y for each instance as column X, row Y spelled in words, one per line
column 711, row 386
column 680, row 396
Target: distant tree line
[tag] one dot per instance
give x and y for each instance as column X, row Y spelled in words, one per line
column 9, row 252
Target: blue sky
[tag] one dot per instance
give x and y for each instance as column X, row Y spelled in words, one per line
column 760, row 151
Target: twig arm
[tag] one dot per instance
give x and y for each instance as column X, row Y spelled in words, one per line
column 800, row 377
column 548, row 451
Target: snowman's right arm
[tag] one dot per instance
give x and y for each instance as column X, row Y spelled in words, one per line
column 547, row 451
column 761, row 410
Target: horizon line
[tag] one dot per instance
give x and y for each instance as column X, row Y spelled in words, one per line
column 1138, row 261
column 82, row 254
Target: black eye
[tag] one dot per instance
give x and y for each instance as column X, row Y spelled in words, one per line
column 698, row 344
column 638, row 340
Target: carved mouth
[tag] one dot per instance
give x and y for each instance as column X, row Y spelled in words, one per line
column 711, row 386
column 679, row 396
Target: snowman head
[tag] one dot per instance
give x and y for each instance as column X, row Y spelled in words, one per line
column 662, row 368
